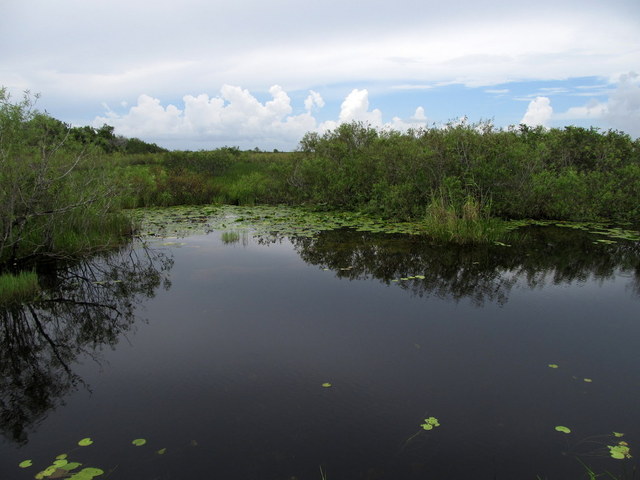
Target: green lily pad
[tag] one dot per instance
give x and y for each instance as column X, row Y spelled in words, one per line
column 562, row 429
column 161, row 451
column 588, row 380
column 85, row 442
column 619, row 451
column 430, row 423
column 138, row 442
column 326, row 385
column 62, row 456
column 25, row 463
column 553, row 365
column 60, row 463
column 618, row 434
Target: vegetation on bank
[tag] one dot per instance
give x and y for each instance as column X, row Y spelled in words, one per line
column 460, row 180
column 58, row 196
column 63, row 189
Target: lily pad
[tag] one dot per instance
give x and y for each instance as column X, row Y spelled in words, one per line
column 138, row 442
column 562, row 429
column 326, row 385
column 553, row 365
column 619, row 451
column 162, row 451
column 25, row 463
column 85, row 442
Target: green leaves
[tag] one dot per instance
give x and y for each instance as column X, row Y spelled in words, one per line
column 430, row 423
column 326, row 385
column 619, row 451
column 85, row 442
column 25, row 463
column 563, row 429
column 138, row 442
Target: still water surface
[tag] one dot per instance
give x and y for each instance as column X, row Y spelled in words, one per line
column 217, row 348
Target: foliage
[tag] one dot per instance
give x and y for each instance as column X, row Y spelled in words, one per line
column 18, row 288
column 56, row 198
column 569, row 174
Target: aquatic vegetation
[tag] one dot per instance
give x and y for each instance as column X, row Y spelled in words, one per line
column 620, row 451
column 18, row 288
column 25, row 463
column 326, row 385
column 430, row 423
column 552, row 365
column 563, row 429
column 85, row 442
column 138, row 442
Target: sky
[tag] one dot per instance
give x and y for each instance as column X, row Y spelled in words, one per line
column 200, row 74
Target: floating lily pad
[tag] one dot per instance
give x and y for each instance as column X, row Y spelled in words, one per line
column 588, row 380
column 619, row 451
column 430, row 423
column 138, row 442
column 618, row 434
column 85, row 442
column 25, row 463
column 62, row 456
column 562, row 429
column 553, row 365
column 326, row 385
column 162, row 451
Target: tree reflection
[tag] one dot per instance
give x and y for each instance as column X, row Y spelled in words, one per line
column 482, row 273
column 87, row 306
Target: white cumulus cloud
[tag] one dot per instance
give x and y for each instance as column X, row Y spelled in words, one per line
column 538, row 112
column 234, row 116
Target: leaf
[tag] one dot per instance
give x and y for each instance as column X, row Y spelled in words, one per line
column 562, row 429
column 326, row 385
column 618, row 434
column 161, row 451
column 60, row 463
column 62, row 456
column 588, row 380
column 25, row 463
column 138, row 442
column 85, row 442
column 87, row 474
column 71, row 466
column 553, row 365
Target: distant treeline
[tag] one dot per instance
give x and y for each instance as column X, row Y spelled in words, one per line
column 572, row 173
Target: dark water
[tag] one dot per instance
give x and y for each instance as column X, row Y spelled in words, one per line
column 218, row 351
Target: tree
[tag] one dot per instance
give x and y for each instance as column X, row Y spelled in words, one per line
column 55, row 197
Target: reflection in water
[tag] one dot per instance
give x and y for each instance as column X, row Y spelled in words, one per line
column 480, row 273
column 86, row 306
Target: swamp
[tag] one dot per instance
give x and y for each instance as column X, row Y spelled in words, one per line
column 447, row 303
column 232, row 342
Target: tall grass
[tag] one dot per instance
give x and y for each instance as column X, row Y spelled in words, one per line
column 466, row 224
column 18, row 288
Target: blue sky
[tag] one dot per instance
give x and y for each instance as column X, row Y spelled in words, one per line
column 199, row 74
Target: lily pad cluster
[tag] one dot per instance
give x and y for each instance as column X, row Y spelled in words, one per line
column 260, row 220
column 430, row 423
column 620, row 450
column 62, row 467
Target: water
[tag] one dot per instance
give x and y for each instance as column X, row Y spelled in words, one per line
column 216, row 349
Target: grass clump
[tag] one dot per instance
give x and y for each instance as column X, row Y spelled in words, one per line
column 18, row 288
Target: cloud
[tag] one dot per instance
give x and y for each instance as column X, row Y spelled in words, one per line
column 356, row 108
column 313, row 100
column 538, row 112
column 623, row 107
column 233, row 116
column 621, row 110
